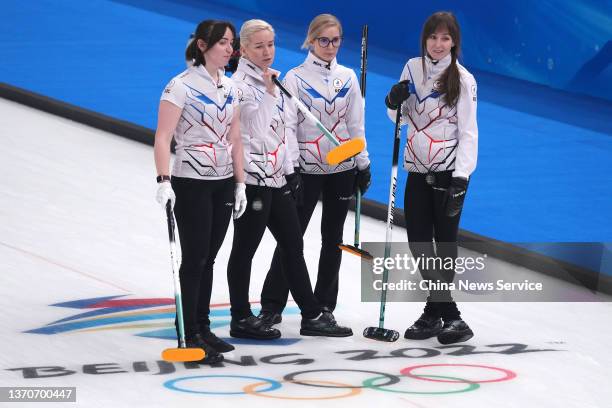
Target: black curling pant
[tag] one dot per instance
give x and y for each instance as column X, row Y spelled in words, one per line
column 424, row 209
column 203, row 210
column 336, row 190
column 278, row 212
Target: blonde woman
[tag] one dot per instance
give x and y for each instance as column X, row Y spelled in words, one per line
column 272, row 185
column 331, row 91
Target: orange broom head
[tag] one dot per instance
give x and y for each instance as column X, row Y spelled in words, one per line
column 346, row 150
column 365, row 255
column 183, row 354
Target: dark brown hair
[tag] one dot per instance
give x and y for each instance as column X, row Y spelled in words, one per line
column 211, row 32
column 450, row 80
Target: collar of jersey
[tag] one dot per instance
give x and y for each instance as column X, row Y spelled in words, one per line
column 248, row 68
column 317, row 64
column 201, row 71
column 435, row 69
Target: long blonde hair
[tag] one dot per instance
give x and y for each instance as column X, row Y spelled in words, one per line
column 317, row 25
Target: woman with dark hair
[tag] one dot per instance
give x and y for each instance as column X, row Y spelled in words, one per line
column 331, row 91
column 272, row 185
column 200, row 109
column 437, row 98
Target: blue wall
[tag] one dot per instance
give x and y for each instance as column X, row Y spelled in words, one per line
column 563, row 44
column 544, row 170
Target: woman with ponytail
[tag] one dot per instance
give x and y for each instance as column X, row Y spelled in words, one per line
column 199, row 108
column 437, row 98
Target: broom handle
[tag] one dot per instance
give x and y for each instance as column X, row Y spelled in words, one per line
column 390, row 210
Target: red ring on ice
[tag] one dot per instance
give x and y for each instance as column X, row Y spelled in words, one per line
column 408, row 373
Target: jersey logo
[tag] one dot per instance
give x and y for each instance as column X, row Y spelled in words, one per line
column 337, row 84
column 327, row 66
column 169, row 87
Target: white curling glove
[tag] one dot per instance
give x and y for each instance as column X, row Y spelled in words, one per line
column 165, row 193
column 240, row 200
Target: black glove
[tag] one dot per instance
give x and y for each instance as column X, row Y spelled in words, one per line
column 455, row 194
column 363, row 180
column 294, row 182
column 398, row 94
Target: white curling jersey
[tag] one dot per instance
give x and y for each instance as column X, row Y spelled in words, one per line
column 440, row 137
column 203, row 150
column 331, row 93
column 262, row 124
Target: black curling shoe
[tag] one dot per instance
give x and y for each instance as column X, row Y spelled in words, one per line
column 425, row 327
column 455, row 331
column 324, row 325
column 220, row 345
column 253, row 328
column 212, row 355
column 270, row 318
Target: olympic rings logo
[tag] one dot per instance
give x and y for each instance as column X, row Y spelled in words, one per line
column 265, row 387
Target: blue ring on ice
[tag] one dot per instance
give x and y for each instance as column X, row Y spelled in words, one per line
column 171, row 384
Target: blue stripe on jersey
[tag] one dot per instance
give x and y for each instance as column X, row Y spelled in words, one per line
column 209, row 101
column 413, row 90
column 281, row 107
column 316, row 95
column 258, row 93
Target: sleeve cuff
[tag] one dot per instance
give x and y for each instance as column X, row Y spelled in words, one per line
column 362, row 162
column 288, row 167
column 461, row 174
column 172, row 101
